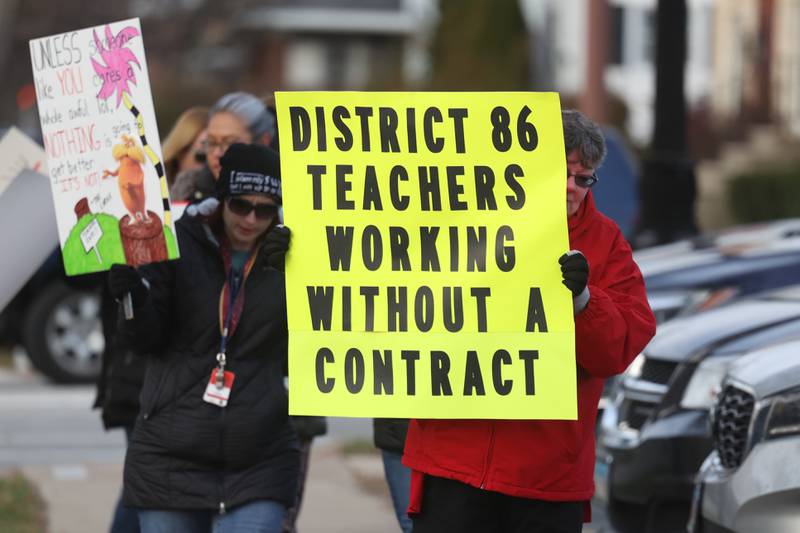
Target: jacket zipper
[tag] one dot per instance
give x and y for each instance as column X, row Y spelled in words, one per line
column 154, row 399
column 489, row 450
column 222, row 509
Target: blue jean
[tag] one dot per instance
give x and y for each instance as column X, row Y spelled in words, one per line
column 290, row 520
column 398, row 477
column 126, row 519
column 262, row 516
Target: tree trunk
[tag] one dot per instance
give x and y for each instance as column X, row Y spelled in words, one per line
column 143, row 241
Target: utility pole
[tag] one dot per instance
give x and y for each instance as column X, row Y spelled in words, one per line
column 668, row 179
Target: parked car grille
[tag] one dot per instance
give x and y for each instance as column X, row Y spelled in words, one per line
column 731, row 423
column 657, row 371
column 634, row 413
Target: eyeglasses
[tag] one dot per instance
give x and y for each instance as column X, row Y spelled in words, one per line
column 241, row 207
column 584, row 182
column 209, row 145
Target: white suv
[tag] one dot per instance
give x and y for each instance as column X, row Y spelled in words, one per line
column 751, row 481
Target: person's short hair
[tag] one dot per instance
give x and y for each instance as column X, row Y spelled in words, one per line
column 583, row 136
column 250, row 110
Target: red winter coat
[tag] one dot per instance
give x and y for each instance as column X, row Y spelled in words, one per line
column 550, row 459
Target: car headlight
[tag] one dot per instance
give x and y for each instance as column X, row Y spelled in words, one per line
column 705, row 383
column 784, row 415
column 634, row 370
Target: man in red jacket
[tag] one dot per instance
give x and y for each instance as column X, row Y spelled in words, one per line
column 537, row 475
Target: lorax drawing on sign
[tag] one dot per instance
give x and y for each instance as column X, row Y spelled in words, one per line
column 116, row 74
column 130, row 177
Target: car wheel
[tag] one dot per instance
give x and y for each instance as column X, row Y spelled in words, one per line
column 63, row 334
column 656, row 516
column 626, row 517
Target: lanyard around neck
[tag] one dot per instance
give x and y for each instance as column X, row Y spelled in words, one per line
column 231, row 303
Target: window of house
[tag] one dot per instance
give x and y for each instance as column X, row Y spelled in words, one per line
column 306, row 64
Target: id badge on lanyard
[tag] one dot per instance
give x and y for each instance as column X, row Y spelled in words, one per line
column 218, row 390
column 220, row 383
column 219, row 395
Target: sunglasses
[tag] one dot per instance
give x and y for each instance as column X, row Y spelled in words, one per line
column 243, row 208
column 584, row 182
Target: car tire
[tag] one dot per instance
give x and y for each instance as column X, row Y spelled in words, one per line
column 63, row 335
column 626, row 517
column 656, row 516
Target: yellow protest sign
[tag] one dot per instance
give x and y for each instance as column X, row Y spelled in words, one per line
column 423, row 277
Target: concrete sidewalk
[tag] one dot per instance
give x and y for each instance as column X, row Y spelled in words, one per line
column 344, row 494
column 51, row 434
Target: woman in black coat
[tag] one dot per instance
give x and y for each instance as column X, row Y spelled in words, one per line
column 212, row 446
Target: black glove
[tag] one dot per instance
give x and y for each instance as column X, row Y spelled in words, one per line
column 123, row 279
column 275, row 246
column 575, row 271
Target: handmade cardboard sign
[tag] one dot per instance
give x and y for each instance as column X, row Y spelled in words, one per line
column 18, row 152
column 423, row 277
column 22, row 187
column 102, row 145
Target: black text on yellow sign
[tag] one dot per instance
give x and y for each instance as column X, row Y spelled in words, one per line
column 423, row 277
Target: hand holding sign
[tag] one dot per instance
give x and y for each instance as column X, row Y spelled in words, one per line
column 275, row 246
column 125, row 283
column 575, row 271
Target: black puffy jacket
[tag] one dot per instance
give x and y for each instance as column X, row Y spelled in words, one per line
column 389, row 434
column 122, row 370
column 186, row 453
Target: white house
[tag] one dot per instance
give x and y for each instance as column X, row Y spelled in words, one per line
column 561, row 27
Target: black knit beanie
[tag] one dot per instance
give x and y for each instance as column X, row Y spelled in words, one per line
column 250, row 169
